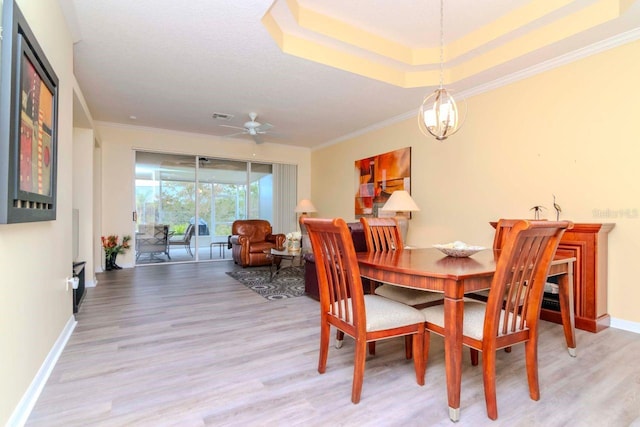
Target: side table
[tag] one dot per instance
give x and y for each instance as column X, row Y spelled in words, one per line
column 277, row 256
column 220, row 245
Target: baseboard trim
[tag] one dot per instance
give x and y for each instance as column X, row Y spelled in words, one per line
column 625, row 325
column 23, row 410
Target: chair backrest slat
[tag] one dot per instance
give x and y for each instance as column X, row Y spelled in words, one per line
column 521, row 271
column 382, row 234
column 339, row 282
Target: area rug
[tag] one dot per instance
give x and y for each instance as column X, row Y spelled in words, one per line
column 288, row 283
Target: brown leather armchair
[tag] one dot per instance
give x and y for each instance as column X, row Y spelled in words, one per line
column 250, row 238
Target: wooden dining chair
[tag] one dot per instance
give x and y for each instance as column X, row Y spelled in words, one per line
column 503, row 228
column 344, row 305
column 502, row 231
column 511, row 314
column 383, row 235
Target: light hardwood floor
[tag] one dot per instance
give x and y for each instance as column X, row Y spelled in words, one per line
column 186, row 345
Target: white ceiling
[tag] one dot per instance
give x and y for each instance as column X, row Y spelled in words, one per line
column 172, row 64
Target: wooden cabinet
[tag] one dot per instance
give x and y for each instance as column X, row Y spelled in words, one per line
column 588, row 243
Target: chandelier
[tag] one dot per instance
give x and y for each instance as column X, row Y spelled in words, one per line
column 439, row 115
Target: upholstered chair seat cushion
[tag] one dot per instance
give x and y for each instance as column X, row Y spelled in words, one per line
column 473, row 322
column 383, row 313
column 408, row 296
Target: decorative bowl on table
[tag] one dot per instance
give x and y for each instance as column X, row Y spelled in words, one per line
column 458, row 249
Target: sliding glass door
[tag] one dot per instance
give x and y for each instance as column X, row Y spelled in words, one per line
column 222, row 185
column 186, row 205
column 165, row 207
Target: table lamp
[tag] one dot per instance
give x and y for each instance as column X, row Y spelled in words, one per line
column 401, row 203
column 304, row 207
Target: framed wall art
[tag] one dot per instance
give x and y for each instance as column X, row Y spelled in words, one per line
column 28, row 124
column 379, row 176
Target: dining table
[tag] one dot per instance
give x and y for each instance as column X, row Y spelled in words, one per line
column 430, row 269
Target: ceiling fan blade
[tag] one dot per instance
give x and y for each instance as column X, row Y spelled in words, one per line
column 257, row 138
column 234, row 134
column 273, row 134
column 232, row 127
column 264, row 127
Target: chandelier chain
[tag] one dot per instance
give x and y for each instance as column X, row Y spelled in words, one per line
column 441, row 44
column 439, row 115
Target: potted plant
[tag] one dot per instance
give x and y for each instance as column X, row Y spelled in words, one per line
column 112, row 247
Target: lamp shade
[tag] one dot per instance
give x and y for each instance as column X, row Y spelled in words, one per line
column 400, row 201
column 305, row 205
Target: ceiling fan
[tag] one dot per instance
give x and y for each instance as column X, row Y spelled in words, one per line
column 253, row 128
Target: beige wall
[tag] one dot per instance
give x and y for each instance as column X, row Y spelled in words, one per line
column 36, row 257
column 118, row 147
column 571, row 131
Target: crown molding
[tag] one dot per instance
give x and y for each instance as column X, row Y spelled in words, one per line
column 593, row 49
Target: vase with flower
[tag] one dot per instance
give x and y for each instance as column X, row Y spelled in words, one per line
column 112, row 247
column 293, row 241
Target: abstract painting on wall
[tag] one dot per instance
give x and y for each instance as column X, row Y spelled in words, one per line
column 28, row 124
column 379, row 176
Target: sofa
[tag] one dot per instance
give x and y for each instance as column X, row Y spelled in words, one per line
column 251, row 240
column 310, row 276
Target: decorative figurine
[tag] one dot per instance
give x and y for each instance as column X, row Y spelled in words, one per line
column 536, row 211
column 556, row 207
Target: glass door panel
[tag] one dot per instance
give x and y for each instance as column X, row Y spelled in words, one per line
column 166, row 207
column 222, row 189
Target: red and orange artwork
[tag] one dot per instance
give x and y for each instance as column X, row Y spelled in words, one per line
column 378, row 177
column 36, row 124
